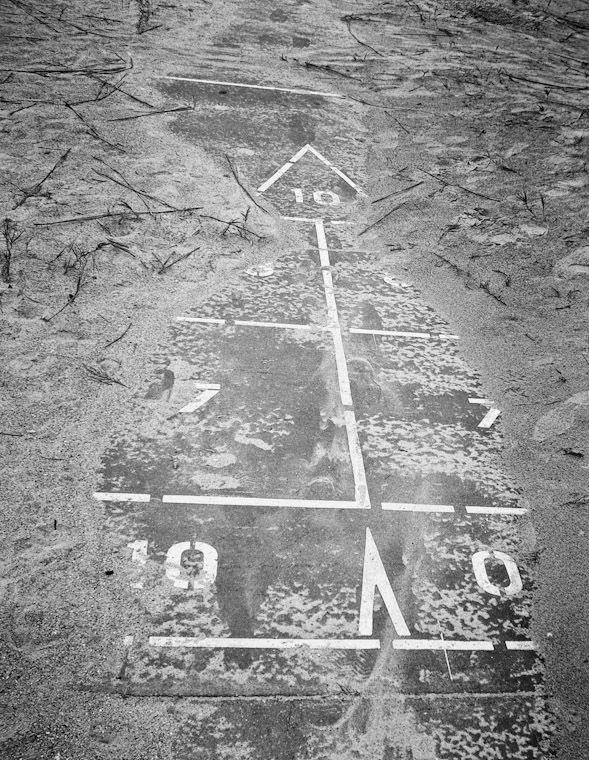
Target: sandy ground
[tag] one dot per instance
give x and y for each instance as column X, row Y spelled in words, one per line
column 479, row 106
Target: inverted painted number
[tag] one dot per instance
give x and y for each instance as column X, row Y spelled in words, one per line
column 326, row 198
column 321, row 197
column 177, row 573
column 479, row 560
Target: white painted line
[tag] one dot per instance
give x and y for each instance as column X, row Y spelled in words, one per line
column 205, row 396
column 256, row 87
column 478, row 401
column 205, row 320
column 341, row 221
column 128, row 641
column 489, row 418
column 396, row 333
column 524, row 646
column 297, row 156
column 248, row 501
column 443, row 644
column 414, row 507
column 338, row 172
column 299, row 219
column 244, row 322
column 496, row 510
column 283, row 169
column 334, row 324
column 360, row 484
column 357, row 460
column 406, row 507
column 225, row 643
column 449, row 336
column 208, row 386
column 402, row 334
column 121, row 496
column 285, row 325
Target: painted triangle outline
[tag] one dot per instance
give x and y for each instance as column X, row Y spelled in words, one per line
column 297, row 156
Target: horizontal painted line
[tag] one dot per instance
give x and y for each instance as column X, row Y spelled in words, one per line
column 287, row 325
column 248, row 501
column 496, row 510
column 205, row 320
column 208, row 386
column 244, row 322
column 520, row 645
column 118, row 496
column 443, row 644
column 415, row 507
column 407, row 507
column 478, row 401
column 396, row 333
column 256, row 87
column 225, row 643
column 404, row 334
column 300, row 219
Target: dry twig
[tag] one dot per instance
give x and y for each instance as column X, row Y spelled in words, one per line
column 34, row 190
column 11, row 235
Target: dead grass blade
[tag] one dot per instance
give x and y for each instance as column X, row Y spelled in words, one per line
column 122, row 181
column 460, row 187
column 121, row 336
column 382, row 218
column 235, row 172
column 161, row 266
column 101, row 376
column 36, row 189
column 11, row 235
column 92, row 130
column 118, row 214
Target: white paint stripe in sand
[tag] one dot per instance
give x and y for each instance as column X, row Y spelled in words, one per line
column 520, row 645
column 299, row 219
column 361, row 487
column 496, row 510
column 293, row 91
column 225, row 643
column 396, row 333
column 204, row 320
column 297, row 156
column 249, row 501
column 407, row 507
column 244, row 322
column 285, row 325
column 120, row 496
column 443, row 644
column 339, row 173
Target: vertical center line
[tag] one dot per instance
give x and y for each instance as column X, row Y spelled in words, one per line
column 361, row 487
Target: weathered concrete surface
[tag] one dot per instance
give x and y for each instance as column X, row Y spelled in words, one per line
column 270, row 483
